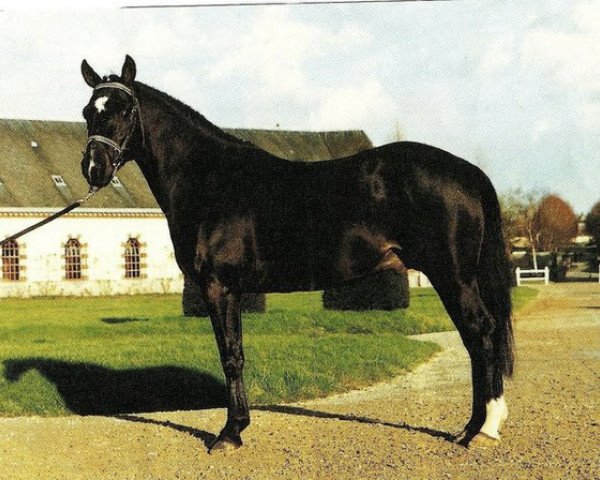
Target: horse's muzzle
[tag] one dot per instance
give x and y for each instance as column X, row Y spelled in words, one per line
column 97, row 166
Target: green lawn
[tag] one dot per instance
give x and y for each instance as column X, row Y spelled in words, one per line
column 125, row 354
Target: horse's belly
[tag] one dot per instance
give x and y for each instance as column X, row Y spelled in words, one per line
column 307, row 260
column 287, row 263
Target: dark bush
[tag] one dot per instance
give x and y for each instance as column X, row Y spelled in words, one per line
column 193, row 304
column 386, row 290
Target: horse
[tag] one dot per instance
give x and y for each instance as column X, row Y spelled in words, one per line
column 243, row 220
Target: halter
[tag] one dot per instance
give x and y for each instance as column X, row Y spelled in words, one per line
column 118, row 161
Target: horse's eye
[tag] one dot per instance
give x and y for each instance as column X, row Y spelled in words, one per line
column 124, row 112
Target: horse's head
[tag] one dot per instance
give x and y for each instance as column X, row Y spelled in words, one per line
column 15, row 369
column 113, row 123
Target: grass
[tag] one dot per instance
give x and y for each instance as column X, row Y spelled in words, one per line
column 125, row 354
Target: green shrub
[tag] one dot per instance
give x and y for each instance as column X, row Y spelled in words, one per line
column 193, row 303
column 386, row 290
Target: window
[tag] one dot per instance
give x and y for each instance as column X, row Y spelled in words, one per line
column 10, row 261
column 132, row 258
column 73, row 259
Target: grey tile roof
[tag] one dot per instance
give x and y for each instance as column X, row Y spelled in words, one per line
column 32, row 151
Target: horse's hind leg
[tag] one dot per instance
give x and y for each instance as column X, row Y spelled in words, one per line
column 224, row 309
column 476, row 326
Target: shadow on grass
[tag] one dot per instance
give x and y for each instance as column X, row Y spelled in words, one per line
column 89, row 389
column 289, row 410
column 118, row 320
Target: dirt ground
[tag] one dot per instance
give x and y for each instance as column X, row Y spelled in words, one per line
column 399, row 430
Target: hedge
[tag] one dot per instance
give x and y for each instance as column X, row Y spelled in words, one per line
column 193, row 303
column 387, row 290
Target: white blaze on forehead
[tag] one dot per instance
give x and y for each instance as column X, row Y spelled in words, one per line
column 495, row 413
column 91, row 167
column 100, row 104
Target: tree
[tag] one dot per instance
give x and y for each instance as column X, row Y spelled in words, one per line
column 555, row 223
column 519, row 210
column 592, row 223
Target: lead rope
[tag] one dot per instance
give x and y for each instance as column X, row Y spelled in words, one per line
column 52, row 217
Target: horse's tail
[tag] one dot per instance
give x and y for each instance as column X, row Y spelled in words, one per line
column 494, row 278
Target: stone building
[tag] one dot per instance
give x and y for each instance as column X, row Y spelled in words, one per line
column 118, row 243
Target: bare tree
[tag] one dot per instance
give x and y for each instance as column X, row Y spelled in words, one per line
column 397, row 134
column 519, row 208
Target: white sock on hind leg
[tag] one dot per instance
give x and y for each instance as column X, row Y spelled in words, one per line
column 495, row 413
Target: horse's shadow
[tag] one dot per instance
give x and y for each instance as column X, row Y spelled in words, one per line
column 207, row 438
column 89, row 389
column 294, row 410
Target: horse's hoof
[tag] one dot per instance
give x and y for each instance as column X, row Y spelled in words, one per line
column 223, row 445
column 463, row 438
column 482, row 441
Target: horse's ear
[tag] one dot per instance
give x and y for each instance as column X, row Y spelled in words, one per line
column 128, row 71
column 90, row 77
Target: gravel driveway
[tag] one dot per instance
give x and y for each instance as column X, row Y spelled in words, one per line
column 399, row 430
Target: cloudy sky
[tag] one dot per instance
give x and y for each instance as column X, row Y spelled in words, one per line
column 512, row 86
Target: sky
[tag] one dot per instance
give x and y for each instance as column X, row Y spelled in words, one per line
column 511, row 86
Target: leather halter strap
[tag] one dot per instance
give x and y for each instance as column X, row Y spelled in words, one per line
column 118, row 162
column 106, row 140
column 117, row 85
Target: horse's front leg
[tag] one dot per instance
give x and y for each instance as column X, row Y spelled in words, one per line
column 224, row 307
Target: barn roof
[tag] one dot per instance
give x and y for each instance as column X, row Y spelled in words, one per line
column 33, row 151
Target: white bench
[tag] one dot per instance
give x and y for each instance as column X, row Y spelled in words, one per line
column 538, row 274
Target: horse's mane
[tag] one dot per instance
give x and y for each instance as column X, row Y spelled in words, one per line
column 196, row 119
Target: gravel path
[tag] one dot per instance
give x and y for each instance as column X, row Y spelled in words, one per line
column 399, row 430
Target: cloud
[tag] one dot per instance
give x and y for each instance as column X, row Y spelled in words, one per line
column 155, row 39
column 567, row 56
column 588, row 116
column 499, row 55
column 571, row 57
column 40, row 54
column 281, row 60
column 277, row 49
column 541, row 128
column 587, row 15
column 179, row 82
column 349, row 107
column 174, row 37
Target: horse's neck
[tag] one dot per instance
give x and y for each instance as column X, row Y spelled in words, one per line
column 146, row 164
column 173, row 150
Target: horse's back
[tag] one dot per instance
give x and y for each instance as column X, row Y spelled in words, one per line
column 405, row 197
column 320, row 223
column 394, row 183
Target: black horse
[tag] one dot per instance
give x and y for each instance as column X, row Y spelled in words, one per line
column 243, row 220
